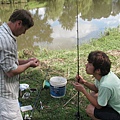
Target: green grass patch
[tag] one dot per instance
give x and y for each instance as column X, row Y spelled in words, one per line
column 64, row 63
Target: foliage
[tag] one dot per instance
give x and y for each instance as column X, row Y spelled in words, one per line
column 64, row 63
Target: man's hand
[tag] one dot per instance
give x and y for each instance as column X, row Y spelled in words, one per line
column 80, row 79
column 34, row 62
column 79, row 87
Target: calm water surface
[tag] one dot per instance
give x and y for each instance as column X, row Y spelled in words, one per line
column 56, row 23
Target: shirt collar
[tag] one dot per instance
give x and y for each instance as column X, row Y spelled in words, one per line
column 7, row 28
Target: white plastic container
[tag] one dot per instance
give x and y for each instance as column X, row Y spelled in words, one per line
column 58, row 86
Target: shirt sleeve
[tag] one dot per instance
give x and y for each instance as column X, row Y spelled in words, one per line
column 104, row 95
column 8, row 58
column 8, row 63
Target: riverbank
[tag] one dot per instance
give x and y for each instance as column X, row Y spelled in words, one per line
column 64, row 63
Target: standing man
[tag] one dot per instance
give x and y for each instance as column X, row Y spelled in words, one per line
column 10, row 66
column 105, row 98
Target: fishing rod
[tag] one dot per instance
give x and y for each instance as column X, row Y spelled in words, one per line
column 78, row 116
column 45, row 86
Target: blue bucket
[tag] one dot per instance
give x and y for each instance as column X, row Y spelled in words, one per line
column 58, row 86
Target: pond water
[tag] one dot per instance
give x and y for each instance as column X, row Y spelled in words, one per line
column 56, row 23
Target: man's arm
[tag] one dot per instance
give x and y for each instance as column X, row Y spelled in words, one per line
column 91, row 86
column 22, row 61
column 91, row 99
column 21, row 68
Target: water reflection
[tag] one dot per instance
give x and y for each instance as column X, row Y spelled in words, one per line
column 55, row 24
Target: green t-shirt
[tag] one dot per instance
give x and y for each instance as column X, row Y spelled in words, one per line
column 109, row 91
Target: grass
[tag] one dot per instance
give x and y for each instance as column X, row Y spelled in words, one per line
column 64, row 63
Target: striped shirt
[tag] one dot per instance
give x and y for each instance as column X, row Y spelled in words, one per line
column 9, row 86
